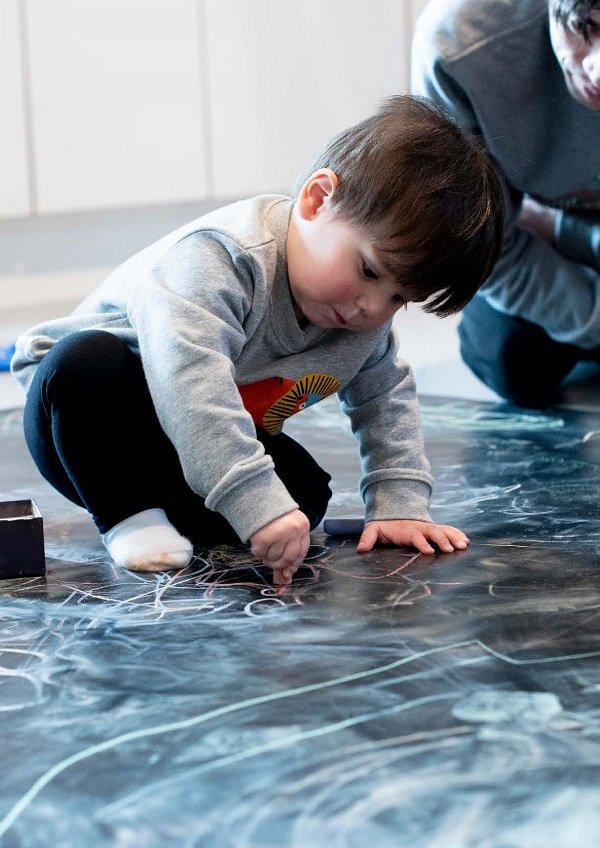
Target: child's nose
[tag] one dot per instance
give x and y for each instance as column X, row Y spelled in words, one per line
column 367, row 303
column 374, row 304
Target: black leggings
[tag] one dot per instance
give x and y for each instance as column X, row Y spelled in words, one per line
column 93, row 433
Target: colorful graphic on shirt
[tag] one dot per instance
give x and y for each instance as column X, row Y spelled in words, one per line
column 271, row 401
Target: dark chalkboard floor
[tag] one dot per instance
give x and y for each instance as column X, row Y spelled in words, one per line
column 383, row 700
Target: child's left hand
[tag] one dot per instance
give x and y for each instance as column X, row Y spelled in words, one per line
column 416, row 534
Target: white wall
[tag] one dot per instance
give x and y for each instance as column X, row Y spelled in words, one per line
column 14, row 138
column 116, row 103
column 308, row 69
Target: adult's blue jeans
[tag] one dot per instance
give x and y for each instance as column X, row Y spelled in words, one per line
column 515, row 358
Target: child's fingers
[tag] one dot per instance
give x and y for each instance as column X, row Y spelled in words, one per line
column 289, row 572
column 457, row 537
column 422, row 545
column 273, row 554
column 446, row 538
column 291, row 555
column 282, row 554
column 283, row 576
column 290, row 560
column 368, row 539
column 279, row 578
column 458, row 542
column 421, row 535
column 439, row 537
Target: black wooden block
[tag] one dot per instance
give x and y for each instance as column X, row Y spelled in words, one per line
column 21, row 540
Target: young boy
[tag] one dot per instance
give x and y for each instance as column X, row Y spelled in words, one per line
column 524, row 75
column 158, row 403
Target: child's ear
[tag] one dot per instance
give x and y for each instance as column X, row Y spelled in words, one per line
column 316, row 193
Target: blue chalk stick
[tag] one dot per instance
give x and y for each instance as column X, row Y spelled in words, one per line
column 343, row 526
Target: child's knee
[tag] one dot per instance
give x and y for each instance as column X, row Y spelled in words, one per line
column 83, row 360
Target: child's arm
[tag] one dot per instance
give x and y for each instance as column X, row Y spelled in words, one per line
column 416, row 534
column 382, row 405
column 192, row 315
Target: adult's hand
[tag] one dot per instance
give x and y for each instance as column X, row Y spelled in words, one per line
column 538, row 219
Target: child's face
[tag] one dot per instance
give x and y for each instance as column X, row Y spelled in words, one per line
column 579, row 59
column 335, row 278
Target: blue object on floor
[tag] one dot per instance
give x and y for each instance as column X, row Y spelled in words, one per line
column 343, row 526
column 6, row 354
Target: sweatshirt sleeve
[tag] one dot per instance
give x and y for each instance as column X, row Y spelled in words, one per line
column 191, row 315
column 533, row 279
column 382, row 405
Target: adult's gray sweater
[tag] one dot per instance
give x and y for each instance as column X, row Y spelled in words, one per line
column 208, row 309
column 490, row 64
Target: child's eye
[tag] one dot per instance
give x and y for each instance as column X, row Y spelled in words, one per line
column 583, row 26
column 576, row 24
column 369, row 273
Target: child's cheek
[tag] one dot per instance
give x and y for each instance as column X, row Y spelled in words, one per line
column 345, row 291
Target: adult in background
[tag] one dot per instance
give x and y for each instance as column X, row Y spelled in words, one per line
column 525, row 75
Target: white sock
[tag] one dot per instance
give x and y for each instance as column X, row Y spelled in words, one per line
column 147, row 542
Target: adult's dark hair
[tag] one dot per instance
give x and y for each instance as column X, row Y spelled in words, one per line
column 580, row 9
column 428, row 193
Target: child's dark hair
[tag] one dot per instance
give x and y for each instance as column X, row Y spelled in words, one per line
column 565, row 9
column 428, row 193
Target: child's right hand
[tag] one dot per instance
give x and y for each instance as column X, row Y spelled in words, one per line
column 282, row 545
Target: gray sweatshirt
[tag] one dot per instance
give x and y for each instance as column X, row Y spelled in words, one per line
column 490, row 64
column 208, row 309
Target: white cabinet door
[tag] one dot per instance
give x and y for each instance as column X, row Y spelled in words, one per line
column 117, row 102
column 14, row 178
column 286, row 75
column 417, row 7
